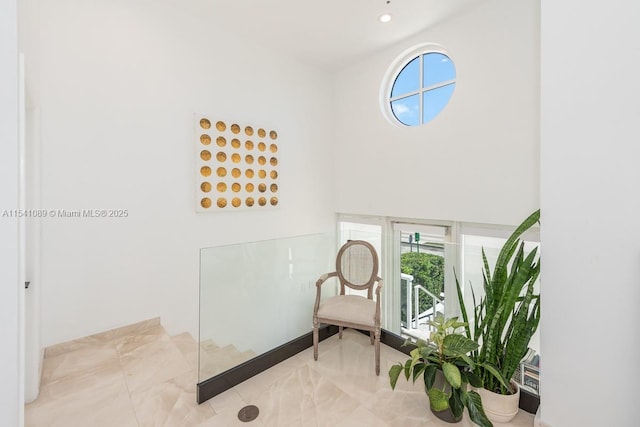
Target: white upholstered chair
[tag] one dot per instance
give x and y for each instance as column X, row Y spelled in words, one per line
column 356, row 268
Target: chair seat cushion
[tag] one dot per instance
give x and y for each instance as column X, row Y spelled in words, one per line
column 348, row 309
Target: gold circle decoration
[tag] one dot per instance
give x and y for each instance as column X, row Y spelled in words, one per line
column 221, row 141
column 273, row 161
column 205, row 171
column 273, row 201
column 205, row 187
column 249, row 145
column 205, row 139
column 236, row 202
column 262, row 133
column 262, row 173
column 273, row 134
column 249, row 173
column 273, row 188
column 235, row 187
column 273, row 148
column 249, row 159
column 235, row 158
column 221, row 126
column 205, row 203
column 249, row 187
column 235, row 172
column 221, row 156
column 262, row 201
column 235, row 143
column 262, row 146
column 273, row 174
column 248, row 130
column 249, row 201
column 235, row 128
column 221, row 172
column 205, row 155
column 262, row 160
column 205, row 123
column 221, row 187
column 221, row 202
column 262, row 187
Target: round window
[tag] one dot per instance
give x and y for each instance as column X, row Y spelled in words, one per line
column 419, row 86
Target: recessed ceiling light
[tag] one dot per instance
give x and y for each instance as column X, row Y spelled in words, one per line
column 384, row 18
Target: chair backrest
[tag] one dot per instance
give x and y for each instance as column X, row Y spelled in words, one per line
column 357, row 266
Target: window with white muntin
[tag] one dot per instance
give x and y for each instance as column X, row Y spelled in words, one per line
column 419, row 87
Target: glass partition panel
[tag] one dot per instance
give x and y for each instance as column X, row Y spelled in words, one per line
column 257, row 296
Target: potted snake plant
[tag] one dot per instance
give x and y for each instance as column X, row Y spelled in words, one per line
column 447, row 369
column 504, row 320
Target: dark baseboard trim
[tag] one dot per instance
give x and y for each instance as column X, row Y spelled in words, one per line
column 234, row 376
column 529, row 402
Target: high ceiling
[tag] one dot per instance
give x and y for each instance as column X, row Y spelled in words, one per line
column 328, row 33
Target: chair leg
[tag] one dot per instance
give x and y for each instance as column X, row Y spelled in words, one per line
column 377, row 350
column 371, row 336
column 315, row 338
column 340, row 332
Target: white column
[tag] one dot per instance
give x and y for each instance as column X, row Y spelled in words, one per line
column 590, row 212
column 11, row 381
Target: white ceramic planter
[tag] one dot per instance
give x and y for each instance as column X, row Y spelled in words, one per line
column 498, row 407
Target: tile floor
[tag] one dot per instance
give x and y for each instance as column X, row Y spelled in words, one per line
column 142, row 377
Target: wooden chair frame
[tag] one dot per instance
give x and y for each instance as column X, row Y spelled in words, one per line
column 373, row 326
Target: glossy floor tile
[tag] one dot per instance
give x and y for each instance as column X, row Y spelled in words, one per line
column 139, row 376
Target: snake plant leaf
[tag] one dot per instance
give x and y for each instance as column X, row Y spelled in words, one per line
column 452, row 374
column 438, row 399
column 394, row 373
column 430, row 375
column 496, row 374
column 476, row 412
column 455, row 403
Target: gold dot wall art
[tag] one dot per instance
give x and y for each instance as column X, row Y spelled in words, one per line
column 236, row 166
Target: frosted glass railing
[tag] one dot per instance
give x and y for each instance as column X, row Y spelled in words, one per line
column 257, row 296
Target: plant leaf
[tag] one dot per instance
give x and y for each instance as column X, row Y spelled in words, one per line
column 430, row 375
column 474, row 380
column 438, row 399
column 496, row 373
column 455, row 403
column 407, row 369
column 476, row 412
column 417, row 370
column 452, row 374
column 459, row 344
column 394, row 373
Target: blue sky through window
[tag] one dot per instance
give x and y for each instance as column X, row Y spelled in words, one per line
column 435, row 100
column 433, row 88
column 408, row 79
column 438, row 68
column 407, row 110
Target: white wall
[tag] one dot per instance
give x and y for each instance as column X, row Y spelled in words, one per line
column 478, row 160
column 117, row 87
column 11, row 394
column 590, row 210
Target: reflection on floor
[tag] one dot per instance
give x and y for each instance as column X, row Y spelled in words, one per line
column 143, row 377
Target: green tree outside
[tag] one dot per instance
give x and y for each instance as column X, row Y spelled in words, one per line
column 427, row 270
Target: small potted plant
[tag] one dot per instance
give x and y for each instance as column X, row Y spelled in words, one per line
column 447, row 369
